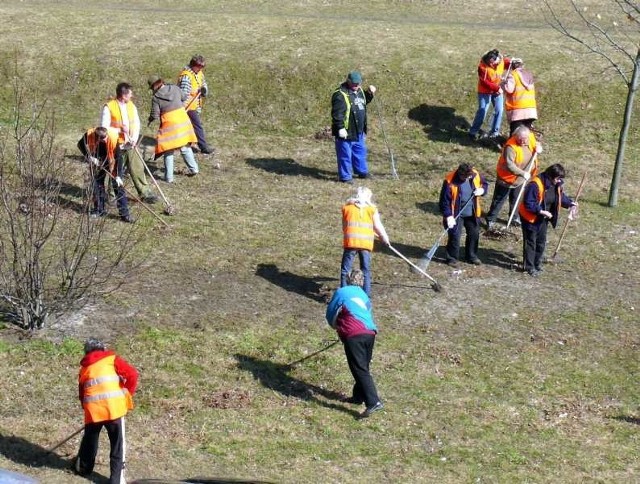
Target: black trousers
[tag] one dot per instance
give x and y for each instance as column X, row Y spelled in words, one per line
column 359, row 350
column 534, row 241
column 89, row 448
column 472, row 227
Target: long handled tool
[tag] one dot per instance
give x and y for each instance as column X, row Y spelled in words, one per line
column 566, row 223
column 294, row 363
column 436, row 287
column 426, row 259
column 378, row 105
column 62, row 442
column 144, row 205
column 169, row 209
column 530, row 166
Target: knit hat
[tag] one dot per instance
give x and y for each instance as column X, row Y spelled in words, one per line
column 354, row 77
column 151, row 80
column 92, row 344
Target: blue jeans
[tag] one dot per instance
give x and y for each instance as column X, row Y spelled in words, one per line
column 187, row 156
column 352, row 157
column 365, row 266
column 484, row 101
column 198, row 129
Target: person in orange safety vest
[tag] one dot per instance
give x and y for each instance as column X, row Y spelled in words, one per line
column 176, row 131
column 192, row 82
column 520, row 97
column 106, row 385
column 360, row 224
column 460, row 199
column 516, row 166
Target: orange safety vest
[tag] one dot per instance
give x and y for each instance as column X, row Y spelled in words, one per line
column 531, row 216
column 502, row 169
column 196, row 83
column 112, row 142
column 357, row 226
column 175, row 131
column 103, row 396
column 521, row 97
column 477, row 183
column 492, row 74
column 116, row 117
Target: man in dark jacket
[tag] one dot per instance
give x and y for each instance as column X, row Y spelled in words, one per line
column 349, row 127
column 106, row 385
column 349, row 313
column 176, row 131
column 543, row 197
column 460, row 198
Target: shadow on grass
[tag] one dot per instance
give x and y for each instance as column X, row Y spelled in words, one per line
column 288, row 166
column 21, row 451
column 201, row 480
column 305, row 286
column 627, row 418
column 275, row 377
column 429, row 207
column 441, row 123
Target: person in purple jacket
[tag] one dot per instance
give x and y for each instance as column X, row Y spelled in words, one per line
column 349, row 313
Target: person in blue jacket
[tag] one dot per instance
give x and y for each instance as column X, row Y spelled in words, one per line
column 349, row 313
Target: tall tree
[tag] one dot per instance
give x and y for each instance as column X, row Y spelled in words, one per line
column 611, row 33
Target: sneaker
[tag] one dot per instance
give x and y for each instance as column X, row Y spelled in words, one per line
column 475, row 262
column 533, row 272
column 150, row 199
column 453, row 263
column 353, row 400
column 96, row 215
column 127, row 219
column 367, row 413
column 348, row 182
column 540, row 269
column 208, row 151
column 191, row 173
column 491, row 225
column 366, row 176
column 516, row 223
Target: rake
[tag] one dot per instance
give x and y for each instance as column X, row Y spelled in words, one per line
column 434, row 284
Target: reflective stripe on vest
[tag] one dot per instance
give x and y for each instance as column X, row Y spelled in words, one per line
column 196, row 81
column 521, row 97
column 103, row 396
column 357, row 227
column 502, row 169
column 115, row 108
column 477, row 183
column 526, row 214
column 175, row 131
column 492, row 74
column 348, row 103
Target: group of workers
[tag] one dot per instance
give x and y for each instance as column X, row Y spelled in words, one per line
column 112, row 148
column 535, row 199
column 107, row 382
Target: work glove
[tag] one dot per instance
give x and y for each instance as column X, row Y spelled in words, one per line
column 342, row 133
column 372, row 89
column 538, row 148
column 478, row 192
column 451, row 222
column 119, row 181
column 204, row 91
column 516, row 62
column 95, row 161
column 526, row 175
column 573, row 211
column 546, row 214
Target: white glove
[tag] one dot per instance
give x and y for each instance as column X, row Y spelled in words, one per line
column 516, row 61
column 573, row 211
column 451, row 222
column 526, row 175
column 95, row 161
column 478, row 192
column 342, row 133
column 119, row 181
column 372, row 89
column 538, row 148
column 546, row 214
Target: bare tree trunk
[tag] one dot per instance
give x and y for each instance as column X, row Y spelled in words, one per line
column 624, row 131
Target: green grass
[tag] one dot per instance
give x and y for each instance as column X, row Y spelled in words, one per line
column 499, row 378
